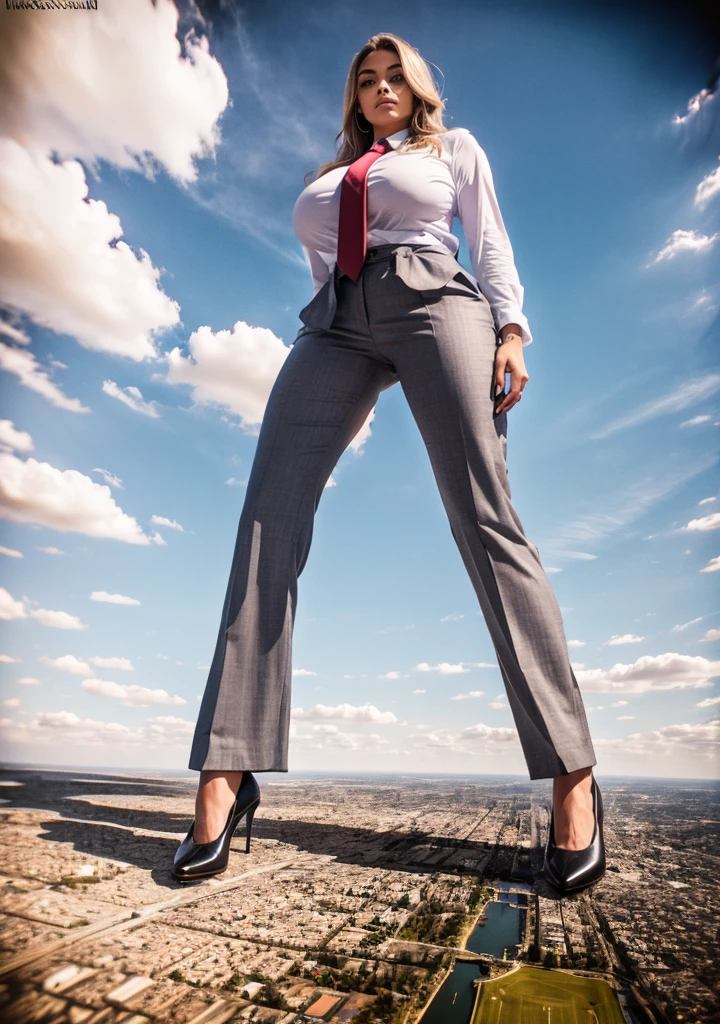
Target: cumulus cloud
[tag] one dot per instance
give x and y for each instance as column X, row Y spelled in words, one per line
column 711, row 522
column 445, row 668
column 685, row 241
column 234, row 369
column 28, row 681
column 67, row 663
column 12, row 609
column 469, row 695
column 465, row 741
column 65, row 500
column 114, row 86
column 104, row 598
column 10, row 552
column 63, row 262
column 121, row 664
column 712, row 566
column 66, row 729
column 50, row 550
column 8, row 659
column 132, row 397
column 26, row 368
column 651, row 673
column 624, row 638
column 56, row 619
column 346, row 712
column 680, row 747
column 12, row 439
column 136, row 696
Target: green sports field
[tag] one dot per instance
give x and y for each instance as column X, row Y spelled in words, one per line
column 534, row 996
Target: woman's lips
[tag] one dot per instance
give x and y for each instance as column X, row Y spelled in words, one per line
column 386, row 103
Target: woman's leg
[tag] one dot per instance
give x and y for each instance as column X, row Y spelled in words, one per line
column 322, row 395
column 443, row 345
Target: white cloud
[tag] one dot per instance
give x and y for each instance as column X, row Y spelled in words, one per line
column 466, row 741
column 624, row 638
column 695, row 104
column 121, row 664
column 12, row 609
column 712, row 566
column 346, row 712
column 650, row 674
column 695, row 421
column 65, row 500
column 685, row 241
column 110, row 478
column 295, row 671
column 686, row 394
column 56, row 620
column 711, row 522
column 707, row 188
column 683, row 748
column 468, row 695
column 419, row 691
column 65, row 729
column 233, row 369
column 711, row 636
column 18, row 440
column 50, row 550
column 105, row 598
column 132, row 397
column 708, row 702
column 137, row 696
column 12, row 702
column 67, row 663
column 7, row 659
column 576, row 643
column 9, row 607
column 684, row 625
column 29, row 372
column 60, row 267
column 171, row 524
column 10, row 552
column 28, row 681
column 114, row 86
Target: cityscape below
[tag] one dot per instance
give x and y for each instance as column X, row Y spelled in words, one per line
column 365, row 898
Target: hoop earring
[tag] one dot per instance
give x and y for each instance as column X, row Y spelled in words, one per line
column 359, row 125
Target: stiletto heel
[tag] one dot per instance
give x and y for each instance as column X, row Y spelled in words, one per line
column 248, row 826
column 202, row 860
column 570, row 871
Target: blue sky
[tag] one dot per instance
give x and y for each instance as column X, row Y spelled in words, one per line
column 142, row 332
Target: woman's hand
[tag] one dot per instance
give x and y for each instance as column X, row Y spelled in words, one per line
column 509, row 359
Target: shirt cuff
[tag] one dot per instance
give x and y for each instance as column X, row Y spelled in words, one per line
column 515, row 317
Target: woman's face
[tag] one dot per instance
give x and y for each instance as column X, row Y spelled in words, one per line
column 380, row 78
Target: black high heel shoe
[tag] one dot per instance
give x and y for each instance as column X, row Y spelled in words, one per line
column 569, row 871
column 201, row 860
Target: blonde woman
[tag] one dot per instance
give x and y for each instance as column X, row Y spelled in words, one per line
column 391, row 303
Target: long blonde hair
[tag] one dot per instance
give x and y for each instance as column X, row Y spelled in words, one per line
column 426, row 126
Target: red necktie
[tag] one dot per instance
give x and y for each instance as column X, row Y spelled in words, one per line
column 352, row 221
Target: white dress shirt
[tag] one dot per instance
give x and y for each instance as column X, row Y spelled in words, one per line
column 413, row 197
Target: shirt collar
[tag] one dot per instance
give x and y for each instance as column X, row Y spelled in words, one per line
column 398, row 137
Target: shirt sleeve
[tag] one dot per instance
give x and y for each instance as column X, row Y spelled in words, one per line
column 487, row 239
column 318, row 267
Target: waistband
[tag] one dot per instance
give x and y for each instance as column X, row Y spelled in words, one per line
column 387, row 249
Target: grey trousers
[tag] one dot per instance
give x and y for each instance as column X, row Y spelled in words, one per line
column 414, row 315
